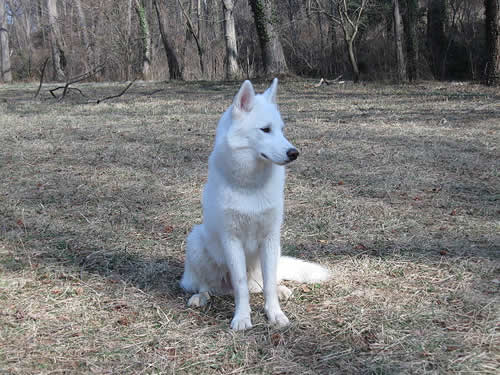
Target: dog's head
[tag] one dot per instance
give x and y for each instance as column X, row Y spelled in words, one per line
column 257, row 125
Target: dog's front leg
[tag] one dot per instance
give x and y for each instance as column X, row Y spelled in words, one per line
column 235, row 257
column 269, row 258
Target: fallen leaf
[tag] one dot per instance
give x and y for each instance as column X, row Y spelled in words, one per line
column 275, row 339
column 124, row 321
column 309, row 308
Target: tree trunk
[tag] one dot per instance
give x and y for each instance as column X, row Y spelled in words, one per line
column 5, row 69
column 492, row 42
column 273, row 57
column 173, row 63
column 350, row 19
column 128, row 72
column 196, row 36
column 436, row 37
column 56, row 42
column 232, row 67
column 146, row 40
column 353, row 60
column 398, row 38
column 410, row 22
column 89, row 62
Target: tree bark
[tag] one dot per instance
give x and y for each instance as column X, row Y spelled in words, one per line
column 410, row 22
column 350, row 21
column 128, row 68
column 436, row 37
column 196, row 36
column 89, row 61
column 232, row 66
column 398, row 38
column 5, row 68
column 173, row 62
column 146, row 40
column 273, row 57
column 492, row 42
column 56, row 42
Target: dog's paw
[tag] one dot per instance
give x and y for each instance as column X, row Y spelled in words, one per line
column 284, row 293
column 199, row 300
column 278, row 318
column 241, row 323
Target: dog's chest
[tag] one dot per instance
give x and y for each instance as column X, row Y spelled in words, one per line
column 251, row 228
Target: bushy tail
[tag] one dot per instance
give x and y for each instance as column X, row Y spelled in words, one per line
column 299, row 270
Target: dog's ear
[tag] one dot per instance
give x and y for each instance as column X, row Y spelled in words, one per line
column 270, row 93
column 244, row 99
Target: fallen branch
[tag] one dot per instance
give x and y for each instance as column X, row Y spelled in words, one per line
column 79, row 78
column 67, row 90
column 118, row 95
column 324, row 81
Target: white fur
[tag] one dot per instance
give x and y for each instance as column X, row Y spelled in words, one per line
column 237, row 248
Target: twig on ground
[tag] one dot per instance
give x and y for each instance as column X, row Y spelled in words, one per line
column 118, row 95
column 76, row 79
column 324, row 81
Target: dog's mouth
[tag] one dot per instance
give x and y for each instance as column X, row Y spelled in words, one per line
column 264, row 156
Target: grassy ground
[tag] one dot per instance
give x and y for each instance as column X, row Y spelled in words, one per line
column 396, row 190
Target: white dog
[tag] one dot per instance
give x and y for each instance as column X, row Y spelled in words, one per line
column 237, row 248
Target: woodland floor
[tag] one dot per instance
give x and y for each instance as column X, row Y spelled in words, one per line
column 396, row 190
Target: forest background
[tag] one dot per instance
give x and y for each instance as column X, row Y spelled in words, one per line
column 384, row 40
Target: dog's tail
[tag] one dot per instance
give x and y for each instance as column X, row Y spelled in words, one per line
column 298, row 270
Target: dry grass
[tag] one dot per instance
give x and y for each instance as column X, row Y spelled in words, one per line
column 396, row 189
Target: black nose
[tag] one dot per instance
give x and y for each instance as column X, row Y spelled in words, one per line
column 292, row 154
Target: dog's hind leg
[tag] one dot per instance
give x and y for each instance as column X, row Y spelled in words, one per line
column 283, row 293
column 199, row 299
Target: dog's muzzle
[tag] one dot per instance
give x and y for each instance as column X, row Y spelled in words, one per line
column 292, row 154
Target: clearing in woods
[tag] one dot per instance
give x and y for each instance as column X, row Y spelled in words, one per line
column 396, row 190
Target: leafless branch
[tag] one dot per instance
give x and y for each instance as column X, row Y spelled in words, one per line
column 79, row 78
column 116, row 96
column 42, row 73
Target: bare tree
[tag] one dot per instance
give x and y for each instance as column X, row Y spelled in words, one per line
column 410, row 22
column 56, row 42
column 85, row 34
column 398, row 38
column 492, row 13
column 146, row 39
column 5, row 70
column 273, row 57
column 173, row 63
column 436, row 36
column 128, row 37
column 232, row 66
column 349, row 17
column 195, row 33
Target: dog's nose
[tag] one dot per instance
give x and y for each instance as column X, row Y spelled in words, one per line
column 292, row 154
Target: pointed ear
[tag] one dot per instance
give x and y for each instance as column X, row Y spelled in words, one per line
column 244, row 99
column 270, row 93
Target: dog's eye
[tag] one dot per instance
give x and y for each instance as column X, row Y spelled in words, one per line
column 267, row 129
